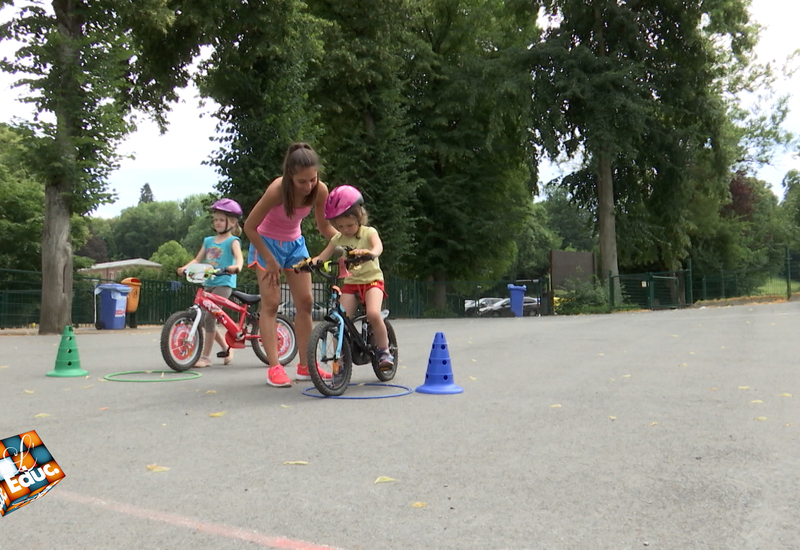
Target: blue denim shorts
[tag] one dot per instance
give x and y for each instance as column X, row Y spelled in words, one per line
column 287, row 253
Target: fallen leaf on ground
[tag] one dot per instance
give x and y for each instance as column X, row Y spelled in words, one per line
column 756, row 401
column 612, row 417
column 157, row 468
column 684, row 365
column 784, row 395
column 217, row 414
column 474, row 360
column 295, row 463
column 601, row 354
column 4, row 366
column 42, row 415
column 713, row 389
column 28, row 391
column 89, row 386
column 556, row 406
column 654, row 423
column 102, row 380
column 472, row 378
column 419, row 505
column 103, row 408
column 761, row 418
column 384, row 479
column 286, row 406
column 626, row 375
column 744, row 387
column 211, row 391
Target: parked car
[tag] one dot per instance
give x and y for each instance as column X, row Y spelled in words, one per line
column 530, row 307
column 317, row 310
column 470, row 309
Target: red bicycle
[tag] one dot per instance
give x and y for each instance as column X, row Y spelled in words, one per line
column 182, row 337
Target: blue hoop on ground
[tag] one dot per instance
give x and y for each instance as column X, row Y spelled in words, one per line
column 406, row 391
column 112, row 377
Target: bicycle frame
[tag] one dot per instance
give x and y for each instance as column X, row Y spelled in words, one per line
column 347, row 328
column 214, row 304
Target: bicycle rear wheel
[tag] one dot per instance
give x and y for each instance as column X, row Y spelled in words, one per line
column 333, row 371
column 287, row 340
column 384, row 375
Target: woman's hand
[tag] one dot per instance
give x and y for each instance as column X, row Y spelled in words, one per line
column 273, row 273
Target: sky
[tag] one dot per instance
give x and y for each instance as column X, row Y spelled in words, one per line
column 173, row 163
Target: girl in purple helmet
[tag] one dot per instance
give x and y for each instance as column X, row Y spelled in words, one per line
column 276, row 244
column 345, row 209
column 223, row 250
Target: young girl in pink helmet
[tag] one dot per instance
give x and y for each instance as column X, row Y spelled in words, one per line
column 276, row 244
column 223, row 250
column 345, row 209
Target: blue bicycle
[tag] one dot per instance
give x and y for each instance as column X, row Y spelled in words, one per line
column 337, row 342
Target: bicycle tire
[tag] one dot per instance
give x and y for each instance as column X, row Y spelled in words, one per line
column 321, row 352
column 387, row 374
column 287, row 340
column 180, row 354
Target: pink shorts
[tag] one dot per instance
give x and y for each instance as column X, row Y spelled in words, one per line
column 361, row 289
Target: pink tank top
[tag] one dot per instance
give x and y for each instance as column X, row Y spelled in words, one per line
column 276, row 225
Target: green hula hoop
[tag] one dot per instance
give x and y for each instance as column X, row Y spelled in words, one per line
column 112, row 377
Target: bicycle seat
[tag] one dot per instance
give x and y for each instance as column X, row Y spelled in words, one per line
column 246, row 298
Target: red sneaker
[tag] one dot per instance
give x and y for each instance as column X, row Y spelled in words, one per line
column 302, row 373
column 276, row 376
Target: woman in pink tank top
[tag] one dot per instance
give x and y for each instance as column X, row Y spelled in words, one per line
column 276, row 244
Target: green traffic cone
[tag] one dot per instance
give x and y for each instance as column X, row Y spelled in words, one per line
column 67, row 361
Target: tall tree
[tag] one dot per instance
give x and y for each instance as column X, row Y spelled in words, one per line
column 634, row 88
column 473, row 155
column 88, row 64
column 258, row 74
column 360, row 88
column 146, row 194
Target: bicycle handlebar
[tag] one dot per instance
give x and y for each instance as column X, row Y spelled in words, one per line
column 347, row 256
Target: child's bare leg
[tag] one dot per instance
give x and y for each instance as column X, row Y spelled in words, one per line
column 374, row 301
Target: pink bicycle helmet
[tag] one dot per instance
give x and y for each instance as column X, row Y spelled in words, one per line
column 341, row 200
column 227, row 206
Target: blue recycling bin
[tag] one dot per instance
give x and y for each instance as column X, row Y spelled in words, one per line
column 517, row 295
column 113, row 305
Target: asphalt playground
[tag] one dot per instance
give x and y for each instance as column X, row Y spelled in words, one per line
column 647, row 430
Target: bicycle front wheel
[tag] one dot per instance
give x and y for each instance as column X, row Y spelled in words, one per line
column 333, row 371
column 178, row 350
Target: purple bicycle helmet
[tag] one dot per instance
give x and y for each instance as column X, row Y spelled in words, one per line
column 341, row 200
column 227, row 206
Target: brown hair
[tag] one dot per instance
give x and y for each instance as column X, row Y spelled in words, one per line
column 298, row 157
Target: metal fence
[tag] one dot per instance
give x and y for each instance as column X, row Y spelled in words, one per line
column 20, row 297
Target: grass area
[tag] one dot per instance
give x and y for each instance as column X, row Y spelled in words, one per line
column 776, row 286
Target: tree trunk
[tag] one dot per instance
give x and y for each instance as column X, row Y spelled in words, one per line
column 56, row 310
column 607, row 225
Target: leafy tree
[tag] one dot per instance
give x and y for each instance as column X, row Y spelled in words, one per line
column 21, row 204
column 89, row 64
column 95, row 249
column 361, row 80
column 141, row 229
column 472, row 152
column 534, row 243
column 146, row 194
column 257, row 73
column 569, row 221
column 171, row 255
column 635, row 89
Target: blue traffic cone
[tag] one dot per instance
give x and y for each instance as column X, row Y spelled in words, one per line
column 439, row 378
